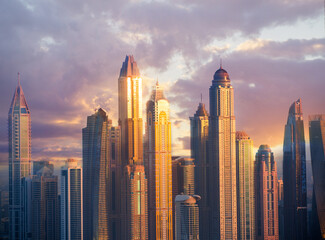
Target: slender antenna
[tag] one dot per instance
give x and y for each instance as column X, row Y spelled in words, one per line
column 18, row 78
column 201, row 97
column 220, row 63
column 157, row 83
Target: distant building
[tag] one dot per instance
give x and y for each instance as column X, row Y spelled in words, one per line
column 71, row 201
column 245, row 186
column 183, row 176
column 38, row 165
column 317, row 151
column 266, row 188
column 95, row 175
column 199, row 152
column 134, row 206
column 45, row 206
column 294, row 175
column 187, row 217
column 222, row 159
column 159, row 162
column 281, row 217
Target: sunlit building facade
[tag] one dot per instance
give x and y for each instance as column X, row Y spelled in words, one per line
column 187, row 217
column 95, row 175
column 266, row 198
column 19, row 127
column 199, row 152
column 222, row 159
column 245, row 186
column 294, row 175
column 158, row 134
column 317, row 152
column 71, row 201
column 134, row 217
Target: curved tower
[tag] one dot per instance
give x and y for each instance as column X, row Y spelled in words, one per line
column 294, row 175
column 222, row 158
column 19, row 126
column 158, row 132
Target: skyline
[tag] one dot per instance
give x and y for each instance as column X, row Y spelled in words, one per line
column 55, row 66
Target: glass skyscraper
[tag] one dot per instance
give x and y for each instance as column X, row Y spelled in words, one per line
column 294, row 175
column 19, row 126
column 158, row 152
column 222, row 159
column 245, row 186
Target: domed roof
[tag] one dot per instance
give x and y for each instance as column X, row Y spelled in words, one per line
column 264, row 147
column 221, row 75
column 240, row 135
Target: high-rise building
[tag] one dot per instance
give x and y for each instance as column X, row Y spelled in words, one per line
column 45, row 206
column 245, row 186
column 95, row 175
column 294, row 175
column 19, row 126
column 266, row 198
column 158, row 143
column 222, row 159
column 38, row 165
column 281, row 205
column 199, row 152
column 134, row 206
column 183, row 176
column 317, row 152
column 187, row 217
column 114, row 184
column 71, row 201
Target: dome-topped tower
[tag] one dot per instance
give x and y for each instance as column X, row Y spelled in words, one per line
column 221, row 77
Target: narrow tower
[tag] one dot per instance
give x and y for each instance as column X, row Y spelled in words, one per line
column 245, row 186
column 134, row 182
column 19, row 126
column 294, row 175
column 199, row 152
column 222, row 159
column 158, row 134
column 266, row 188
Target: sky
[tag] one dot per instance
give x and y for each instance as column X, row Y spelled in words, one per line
column 69, row 54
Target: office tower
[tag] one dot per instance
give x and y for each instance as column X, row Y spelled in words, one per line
column 281, row 205
column 199, row 152
column 38, row 165
column 294, row 175
column 187, row 217
column 134, row 223
column 222, row 159
column 266, row 198
column 245, row 186
column 183, row 176
column 71, row 201
column 45, row 206
column 317, row 152
column 158, row 143
column 114, row 184
column 19, row 126
column 95, row 175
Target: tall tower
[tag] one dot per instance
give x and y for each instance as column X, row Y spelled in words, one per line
column 71, row 201
column 245, row 186
column 95, row 164
column 317, row 152
column 294, row 175
column 19, row 126
column 134, row 205
column 158, row 132
column 222, row 159
column 199, row 152
column 266, row 188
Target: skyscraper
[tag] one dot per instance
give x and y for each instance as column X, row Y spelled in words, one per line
column 281, row 217
column 187, row 217
column 71, row 201
column 183, row 176
column 158, row 133
column 95, row 171
column 294, row 175
column 317, row 152
column 199, row 152
column 19, row 126
column 245, row 186
column 45, row 206
column 222, row 159
column 134, row 205
column 266, row 189
column 114, row 183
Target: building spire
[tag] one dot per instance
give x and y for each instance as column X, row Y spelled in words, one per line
column 18, row 74
column 201, row 97
column 220, row 63
column 157, row 82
